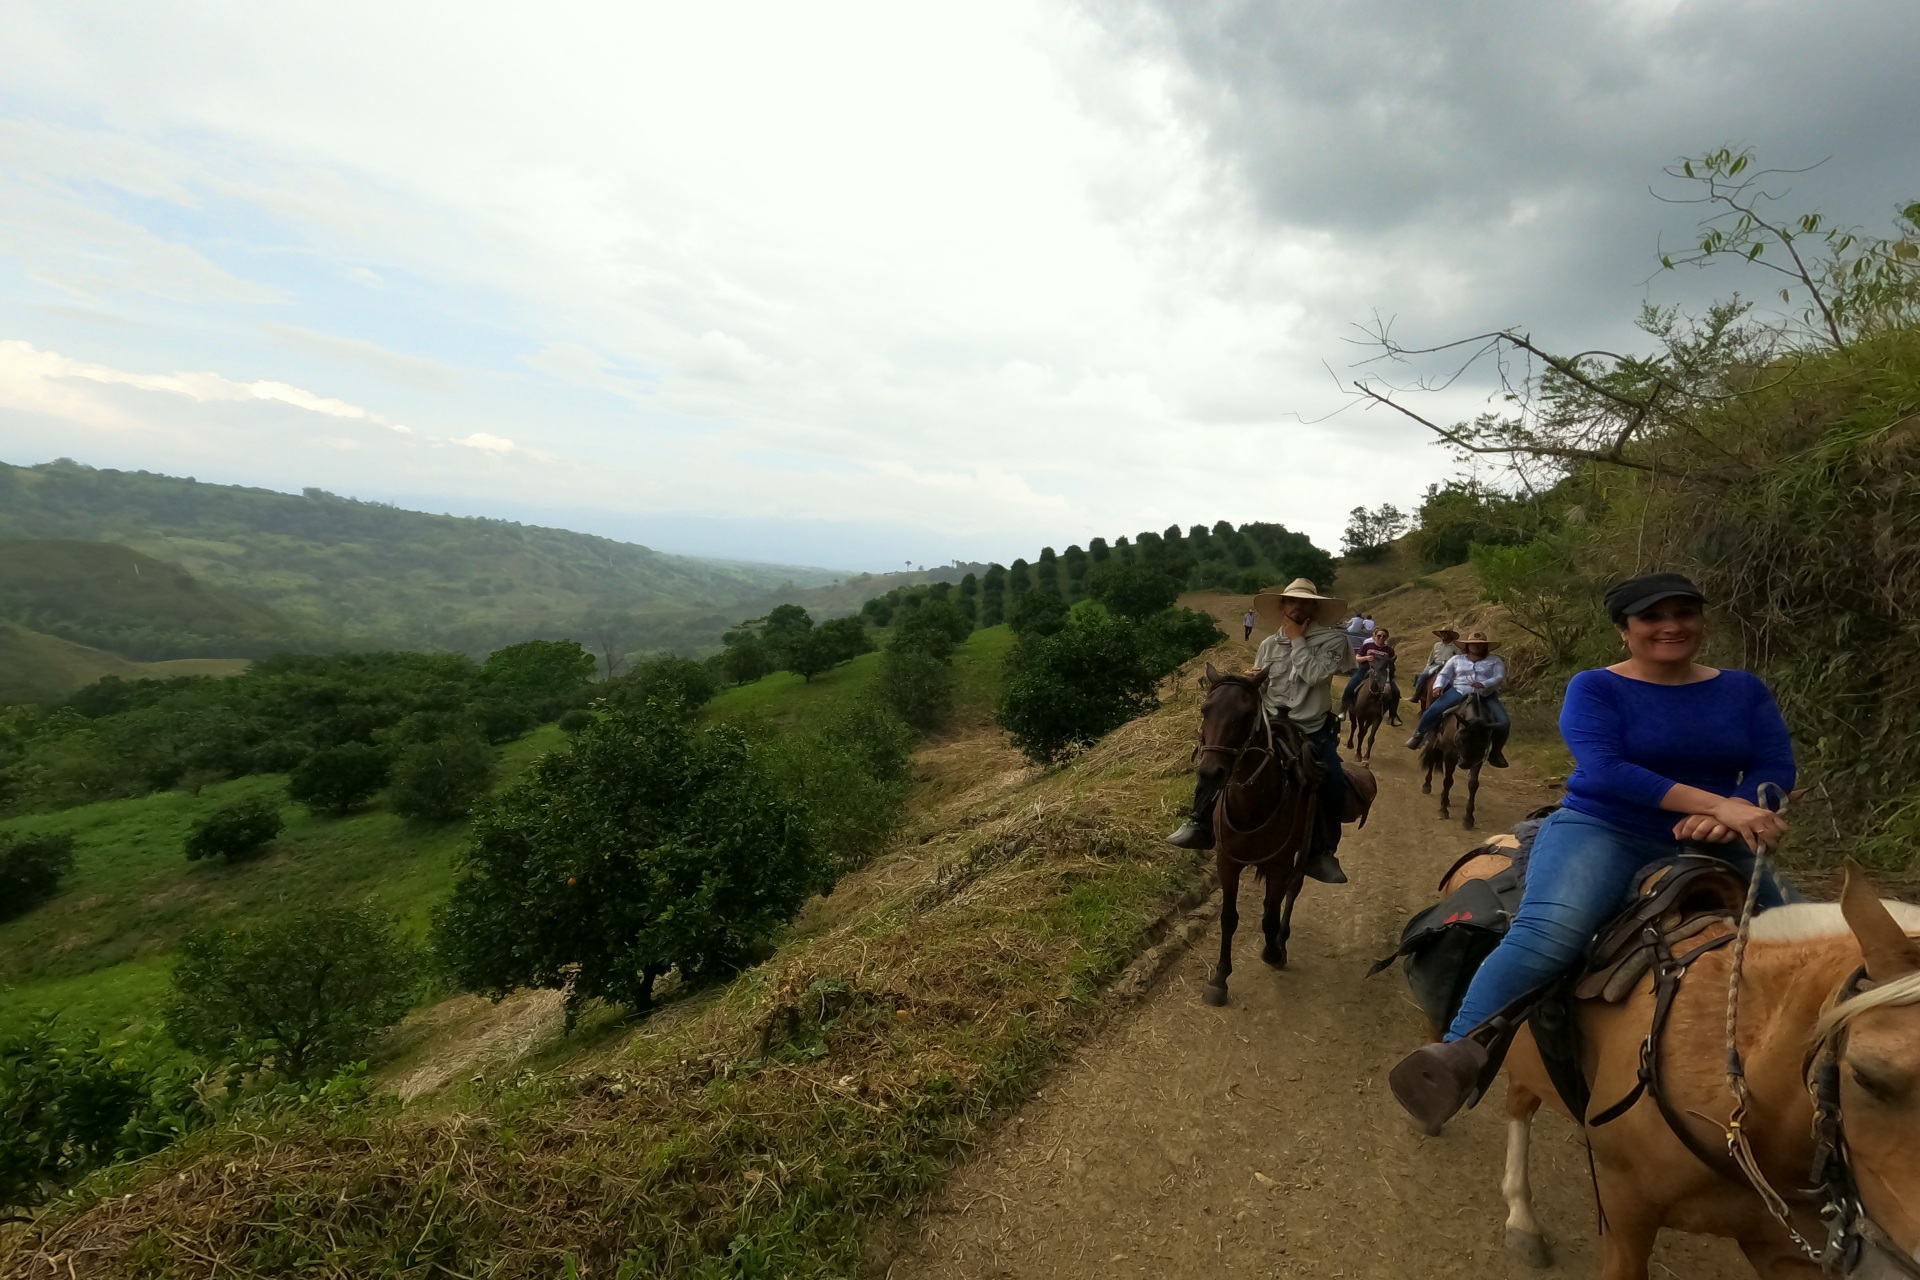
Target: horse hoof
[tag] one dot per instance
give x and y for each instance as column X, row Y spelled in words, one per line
column 1215, row 994
column 1467, row 823
column 1531, row 1246
column 1275, row 956
column 1426, row 789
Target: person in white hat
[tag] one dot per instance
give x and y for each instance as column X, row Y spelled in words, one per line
column 1306, row 650
column 1476, row 669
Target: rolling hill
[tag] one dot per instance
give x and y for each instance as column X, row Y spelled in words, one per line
column 371, row 574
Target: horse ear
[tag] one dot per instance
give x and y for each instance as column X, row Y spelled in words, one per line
column 1884, row 945
column 1259, row 677
column 1213, row 677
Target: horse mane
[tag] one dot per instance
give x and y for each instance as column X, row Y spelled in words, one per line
column 1242, row 681
column 1809, row 921
column 1838, row 1017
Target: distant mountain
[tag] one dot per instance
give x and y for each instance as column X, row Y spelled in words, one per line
column 365, row 573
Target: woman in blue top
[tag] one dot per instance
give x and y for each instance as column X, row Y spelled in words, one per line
column 1667, row 750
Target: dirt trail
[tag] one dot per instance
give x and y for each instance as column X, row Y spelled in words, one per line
column 1260, row 1139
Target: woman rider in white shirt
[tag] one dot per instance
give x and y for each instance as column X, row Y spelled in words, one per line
column 1475, row 670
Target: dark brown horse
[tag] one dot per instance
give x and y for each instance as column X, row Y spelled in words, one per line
column 1269, row 780
column 1460, row 742
column 1377, row 699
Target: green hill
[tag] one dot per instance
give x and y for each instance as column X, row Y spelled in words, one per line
column 106, row 596
column 44, row 669
column 373, row 574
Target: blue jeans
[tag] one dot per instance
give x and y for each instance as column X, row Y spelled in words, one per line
column 1325, row 742
column 1496, row 713
column 1578, row 877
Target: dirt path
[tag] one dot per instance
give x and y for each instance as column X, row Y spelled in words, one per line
column 1260, row 1139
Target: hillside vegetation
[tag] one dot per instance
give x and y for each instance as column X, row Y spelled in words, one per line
column 43, row 669
column 377, row 575
column 111, row 597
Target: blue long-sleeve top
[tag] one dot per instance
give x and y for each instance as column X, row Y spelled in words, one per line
column 1633, row 741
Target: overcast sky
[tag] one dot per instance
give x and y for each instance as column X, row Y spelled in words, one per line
column 858, row 284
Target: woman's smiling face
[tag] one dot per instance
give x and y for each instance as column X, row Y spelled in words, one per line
column 1671, row 631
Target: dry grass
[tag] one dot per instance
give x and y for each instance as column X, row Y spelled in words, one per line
column 758, row 1130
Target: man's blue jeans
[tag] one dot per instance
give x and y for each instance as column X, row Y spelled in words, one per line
column 1496, row 712
column 1578, row 876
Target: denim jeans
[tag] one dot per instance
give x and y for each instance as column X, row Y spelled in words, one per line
column 1579, row 875
column 1496, row 712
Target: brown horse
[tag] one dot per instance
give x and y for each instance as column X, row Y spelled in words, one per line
column 1269, row 780
column 1829, row 1036
column 1377, row 699
column 1460, row 742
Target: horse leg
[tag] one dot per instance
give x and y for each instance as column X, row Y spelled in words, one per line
column 1626, row 1244
column 1778, row 1259
column 1426, row 787
column 1446, row 789
column 1229, row 872
column 1293, row 885
column 1275, row 952
column 1473, row 789
column 1523, row 1229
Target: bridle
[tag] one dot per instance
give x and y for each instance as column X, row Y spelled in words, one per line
column 1259, row 742
column 1851, row 1230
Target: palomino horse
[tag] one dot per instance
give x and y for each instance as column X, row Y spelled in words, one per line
column 1375, row 700
column 1269, row 782
column 1460, row 742
column 1829, row 1039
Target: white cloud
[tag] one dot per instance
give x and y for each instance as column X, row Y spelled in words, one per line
column 490, row 444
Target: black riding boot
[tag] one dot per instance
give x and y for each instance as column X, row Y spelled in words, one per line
column 1197, row 831
column 1497, row 749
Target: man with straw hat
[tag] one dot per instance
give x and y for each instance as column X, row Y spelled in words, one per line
column 1306, row 650
column 1476, row 669
column 1446, row 643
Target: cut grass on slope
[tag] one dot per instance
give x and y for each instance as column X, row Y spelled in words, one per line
column 764, row 1129
column 97, row 952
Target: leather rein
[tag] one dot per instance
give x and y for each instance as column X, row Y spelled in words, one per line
column 1268, row 754
column 1851, row 1230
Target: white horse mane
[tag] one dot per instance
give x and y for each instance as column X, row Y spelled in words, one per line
column 1809, row 921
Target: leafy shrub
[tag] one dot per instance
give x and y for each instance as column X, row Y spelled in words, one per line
column 849, row 777
column 575, row 720
column 670, row 681
column 1071, row 688
column 340, row 779
column 1136, row 591
column 502, row 720
column 31, row 868
column 652, row 845
column 299, row 995
column 745, row 658
column 235, row 832
column 1039, row 613
column 443, row 780
column 935, row 629
column 538, row 669
column 70, row 1103
column 917, row 686
column 1179, row 634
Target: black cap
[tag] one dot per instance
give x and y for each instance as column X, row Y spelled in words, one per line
column 1637, row 595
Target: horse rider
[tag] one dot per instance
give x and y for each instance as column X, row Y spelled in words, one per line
column 1475, row 670
column 1446, row 645
column 1246, row 625
column 1306, row 650
column 1666, row 750
column 1379, row 645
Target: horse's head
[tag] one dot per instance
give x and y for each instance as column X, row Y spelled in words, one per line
column 1228, row 717
column 1876, row 1046
column 1380, row 670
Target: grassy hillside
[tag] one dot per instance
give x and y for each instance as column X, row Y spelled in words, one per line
column 111, row 597
column 98, row 951
column 380, row 575
column 759, row 1129
column 44, row 669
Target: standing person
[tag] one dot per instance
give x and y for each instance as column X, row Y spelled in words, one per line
column 1666, row 750
column 1246, row 624
column 1301, row 657
column 1379, row 646
column 1474, row 670
column 1446, row 645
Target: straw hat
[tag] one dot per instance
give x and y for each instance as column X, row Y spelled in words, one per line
column 1446, row 633
column 1267, row 604
column 1477, row 636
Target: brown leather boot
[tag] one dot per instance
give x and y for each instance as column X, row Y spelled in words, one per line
column 1435, row 1080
